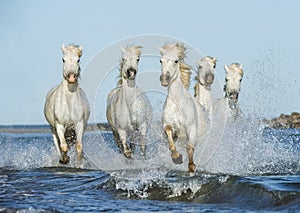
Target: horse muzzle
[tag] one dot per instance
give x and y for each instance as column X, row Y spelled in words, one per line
column 131, row 73
column 209, row 78
column 72, row 78
column 233, row 99
column 165, row 80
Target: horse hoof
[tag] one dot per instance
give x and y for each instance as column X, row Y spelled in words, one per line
column 127, row 154
column 177, row 159
column 64, row 159
column 192, row 168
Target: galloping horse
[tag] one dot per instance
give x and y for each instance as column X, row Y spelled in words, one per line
column 232, row 87
column 66, row 108
column 182, row 114
column 227, row 107
column 205, row 78
column 128, row 109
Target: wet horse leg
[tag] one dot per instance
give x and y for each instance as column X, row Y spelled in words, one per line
column 117, row 140
column 79, row 133
column 176, row 156
column 64, row 159
column 142, row 140
column 123, row 138
column 55, row 139
column 190, row 151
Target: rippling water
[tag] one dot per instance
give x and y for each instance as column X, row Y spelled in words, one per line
column 250, row 168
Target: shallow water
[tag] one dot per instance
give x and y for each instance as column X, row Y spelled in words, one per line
column 250, row 169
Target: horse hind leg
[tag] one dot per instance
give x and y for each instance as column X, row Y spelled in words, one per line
column 176, row 156
column 70, row 136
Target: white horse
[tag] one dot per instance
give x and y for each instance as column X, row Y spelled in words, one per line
column 229, row 104
column 204, row 79
column 232, row 88
column 182, row 114
column 128, row 108
column 66, row 108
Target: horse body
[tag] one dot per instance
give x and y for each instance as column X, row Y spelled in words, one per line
column 66, row 108
column 205, row 78
column 128, row 108
column 181, row 113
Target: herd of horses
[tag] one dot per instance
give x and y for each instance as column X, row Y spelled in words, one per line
column 129, row 110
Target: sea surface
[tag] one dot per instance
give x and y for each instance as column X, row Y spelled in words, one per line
column 250, row 168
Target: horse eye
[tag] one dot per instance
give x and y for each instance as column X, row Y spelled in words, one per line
column 226, row 79
column 214, row 66
column 63, row 60
column 138, row 60
column 78, row 60
column 160, row 61
column 240, row 80
column 176, row 61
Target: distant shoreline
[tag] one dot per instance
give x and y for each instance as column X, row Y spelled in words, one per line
column 19, row 129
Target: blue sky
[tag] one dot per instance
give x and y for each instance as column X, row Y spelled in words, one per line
column 262, row 35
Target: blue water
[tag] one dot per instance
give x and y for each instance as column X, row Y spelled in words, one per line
column 252, row 169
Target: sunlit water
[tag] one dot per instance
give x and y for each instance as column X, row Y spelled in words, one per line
column 246, row 167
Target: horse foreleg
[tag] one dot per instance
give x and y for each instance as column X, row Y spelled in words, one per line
column 123, row 138
column 117, row 140
column 79, row 133
column 190, row 151
column 55, row 139
column 142, row 140
column 176, row 156
column 64, row 159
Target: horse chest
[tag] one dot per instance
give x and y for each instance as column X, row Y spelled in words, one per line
column 69, row 109
column 179, row 113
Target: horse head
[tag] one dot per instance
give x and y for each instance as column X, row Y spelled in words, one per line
column 129, row 64
column 71, row 59
column 232, row 88
column 172, row 64
column 206, row 71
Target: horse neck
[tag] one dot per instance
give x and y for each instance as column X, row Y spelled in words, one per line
column 176, row 89
column 204, row 97
column 128, row 92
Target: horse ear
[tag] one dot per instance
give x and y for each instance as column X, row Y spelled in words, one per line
column 214, row 61
column 226, row 68
column 63, row 48
column 162, row 50
column 122, row 49
column 80, row 51
column 241, row 70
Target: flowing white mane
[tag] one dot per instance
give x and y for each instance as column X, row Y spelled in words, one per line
column 73, row 49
